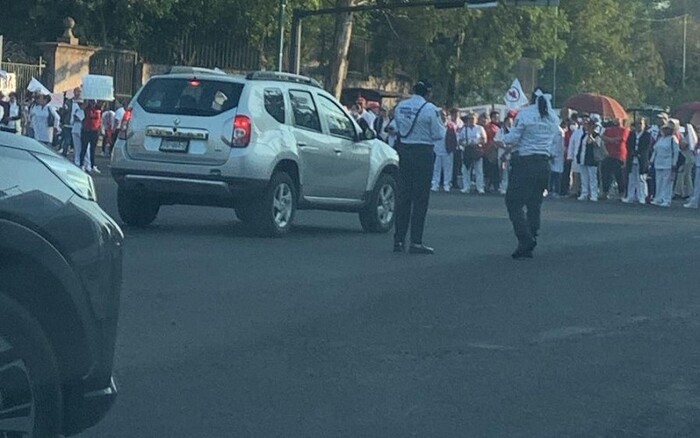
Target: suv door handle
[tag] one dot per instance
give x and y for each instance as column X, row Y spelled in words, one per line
column 338, row 151
column 301, row 144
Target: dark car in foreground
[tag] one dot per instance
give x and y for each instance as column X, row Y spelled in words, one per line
column 60, row 281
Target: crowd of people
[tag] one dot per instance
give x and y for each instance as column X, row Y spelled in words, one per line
column 591, row 159
column 76, row 126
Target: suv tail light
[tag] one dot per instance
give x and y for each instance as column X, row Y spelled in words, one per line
column 242, row 128
column 125, row 124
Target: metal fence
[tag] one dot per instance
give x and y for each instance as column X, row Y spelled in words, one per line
column 202, row 50
column 25, row 73
column 121, row 65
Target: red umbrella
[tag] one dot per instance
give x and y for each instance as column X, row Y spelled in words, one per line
column 607, row 107
column 686, row 111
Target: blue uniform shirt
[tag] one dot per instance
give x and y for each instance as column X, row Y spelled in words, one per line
column 532, row 134
column 429, row 127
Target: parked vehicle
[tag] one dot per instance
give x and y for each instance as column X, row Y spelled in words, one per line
column 265, row 144
column 60, row 281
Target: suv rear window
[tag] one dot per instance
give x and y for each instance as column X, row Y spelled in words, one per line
column 192, row 97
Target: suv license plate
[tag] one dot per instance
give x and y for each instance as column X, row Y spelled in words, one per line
column 170, row 145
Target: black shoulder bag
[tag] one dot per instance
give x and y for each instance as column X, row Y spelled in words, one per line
column 398, row 143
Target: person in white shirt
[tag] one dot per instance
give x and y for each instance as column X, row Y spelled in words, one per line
column 77, row 117
column 107, row 130
column 15, row 121
column 557, row 164
column 694, row 200
column 577, row 135
column 503, row 155
column 444, row 155
column 664, row 159
column 473, row 141
column 367, row 116
column 530, row 142
column 45, row 120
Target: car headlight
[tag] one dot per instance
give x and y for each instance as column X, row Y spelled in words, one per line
column 72, row 176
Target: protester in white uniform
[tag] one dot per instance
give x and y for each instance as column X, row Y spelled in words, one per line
column 557, row 164
column 45, row 120
column 15, row 121
column 473, row 141
column 503, row 154
column 77, row 117
column 444, row 156
column 588, row 157
column 695, row 199
column 664, row 159
column 574, row 142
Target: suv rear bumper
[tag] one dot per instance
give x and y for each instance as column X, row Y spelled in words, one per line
column 175, row 188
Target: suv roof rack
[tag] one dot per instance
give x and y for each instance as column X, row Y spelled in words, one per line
column 285, row 77
column 183, row 69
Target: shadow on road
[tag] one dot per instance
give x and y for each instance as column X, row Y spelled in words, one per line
column 231, row 229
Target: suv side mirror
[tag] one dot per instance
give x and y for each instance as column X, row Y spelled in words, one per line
column 368, row 134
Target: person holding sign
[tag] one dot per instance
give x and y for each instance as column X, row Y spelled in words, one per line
column 91, row 133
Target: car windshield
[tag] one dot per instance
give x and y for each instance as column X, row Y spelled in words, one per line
column 193, row 97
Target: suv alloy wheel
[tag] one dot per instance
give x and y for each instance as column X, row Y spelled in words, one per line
column 272, row 215
column 378, row 215
column 136, row 209
column 30, row 395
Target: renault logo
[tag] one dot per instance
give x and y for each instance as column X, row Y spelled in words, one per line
column 176, row 122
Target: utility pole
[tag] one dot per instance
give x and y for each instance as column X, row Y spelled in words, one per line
column 685, row 48
column 554, row 67
column 2, row 54
column 282, row 18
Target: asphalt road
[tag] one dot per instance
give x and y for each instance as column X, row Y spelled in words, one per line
column 326, row 333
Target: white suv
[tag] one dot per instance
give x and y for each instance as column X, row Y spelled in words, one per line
column 265, row 144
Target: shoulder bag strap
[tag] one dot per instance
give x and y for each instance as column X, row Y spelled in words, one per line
column 413, row 125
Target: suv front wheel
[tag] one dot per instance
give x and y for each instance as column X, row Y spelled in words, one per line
column 378, row 215
column 272, row 215
column 135, row 208
column 30, row 395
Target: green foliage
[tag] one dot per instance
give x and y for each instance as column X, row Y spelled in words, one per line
column 615, row 47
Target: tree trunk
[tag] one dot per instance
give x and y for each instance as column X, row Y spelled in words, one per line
column 454, row 76
column 339, row 55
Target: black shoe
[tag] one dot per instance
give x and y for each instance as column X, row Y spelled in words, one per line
column 524, row 251
column 399, row 247
column 420, row 249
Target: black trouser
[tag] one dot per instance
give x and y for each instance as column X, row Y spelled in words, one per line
column 89, row 138
column 415, row 175
column 612, row 168
column 457, row 168
column 565, row 178
column 527, row 181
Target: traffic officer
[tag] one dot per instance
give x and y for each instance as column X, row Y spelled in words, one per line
column 418, row 127
column 530, row 142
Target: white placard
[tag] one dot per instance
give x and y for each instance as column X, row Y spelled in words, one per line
column 37, row 87
column 8, row 82
column 97, row 87
column 515, row 96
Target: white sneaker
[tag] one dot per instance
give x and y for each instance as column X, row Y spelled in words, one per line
column 465, row 190
column 594, row 199
column 96, row 170
column 642, row 202
column 626, row 201
column 83, row 168
column 665, row 205
column 447, row 189
column 690, row 205
column 434, row 189
column 88, row 169
column 583, row 198
column 502, row 192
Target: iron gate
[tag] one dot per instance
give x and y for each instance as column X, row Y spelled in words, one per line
column 121, row 65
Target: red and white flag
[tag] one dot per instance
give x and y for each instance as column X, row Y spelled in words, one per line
column 515, row 97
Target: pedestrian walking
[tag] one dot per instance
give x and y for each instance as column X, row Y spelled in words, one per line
column 418, row 126
column 107, row 130
column 530, row 141
column 14, row 121
column 686, row 166
column 664, row 159
column 638, row 152
column 556, row 164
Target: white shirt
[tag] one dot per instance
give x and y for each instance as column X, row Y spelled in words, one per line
column 107, row 121
column 118, row 117
column 77, row 117
column 369, row 117
column 428, row 128
column 532, row 134
column 665, row 155
column 40, row 122
column 557, row 152
column 473, row 135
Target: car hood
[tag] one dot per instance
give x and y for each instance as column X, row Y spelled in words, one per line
column 24, row 143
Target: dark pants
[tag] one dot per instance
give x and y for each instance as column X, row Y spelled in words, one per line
column 565, row 178
column 415, row 175
column 457, row 168
column 527, row 181
column 554, row 182
column 491, row 175
column 89, row 139
column 612, row 168
column 66, row 139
